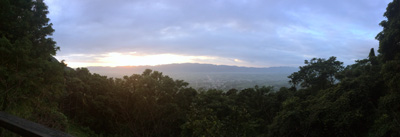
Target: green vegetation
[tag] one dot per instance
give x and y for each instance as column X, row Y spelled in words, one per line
column 326, row 98
column 31, row 80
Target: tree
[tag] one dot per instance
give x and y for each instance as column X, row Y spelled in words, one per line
column 389, row 40
column 317, row 73
column 147, row 104
column 31, row 80
column 387, row 123
column 389, row 45
column 371, row 53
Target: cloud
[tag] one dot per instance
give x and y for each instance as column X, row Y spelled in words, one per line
column 259, row 32
column 139, row 59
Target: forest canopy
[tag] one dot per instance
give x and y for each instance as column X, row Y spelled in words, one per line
column 325, row 99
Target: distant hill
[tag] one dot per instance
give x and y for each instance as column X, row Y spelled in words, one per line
column 208, row 75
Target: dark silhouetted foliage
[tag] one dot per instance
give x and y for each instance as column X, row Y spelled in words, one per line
column 361, row 99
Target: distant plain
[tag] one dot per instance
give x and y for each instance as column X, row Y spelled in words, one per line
column 207, row 76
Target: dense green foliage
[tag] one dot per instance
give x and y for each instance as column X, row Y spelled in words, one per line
column 149, row 104
column 326, row 98
column 317, row 73
column 31, row 80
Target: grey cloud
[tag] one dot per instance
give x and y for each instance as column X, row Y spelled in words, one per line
column 264, row 32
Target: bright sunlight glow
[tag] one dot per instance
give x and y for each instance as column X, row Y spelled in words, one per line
column 119, row 59
column 114, row 59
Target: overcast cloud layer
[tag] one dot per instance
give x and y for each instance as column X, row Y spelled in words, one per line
column 258, row 33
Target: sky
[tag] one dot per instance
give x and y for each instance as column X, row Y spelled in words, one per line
column 251, row 33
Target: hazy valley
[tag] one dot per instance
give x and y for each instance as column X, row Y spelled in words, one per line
column 209, row 76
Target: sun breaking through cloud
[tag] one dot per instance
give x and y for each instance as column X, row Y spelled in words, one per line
column 114, row 59
column 254, row 32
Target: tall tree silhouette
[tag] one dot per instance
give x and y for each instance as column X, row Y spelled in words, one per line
column 30, row 78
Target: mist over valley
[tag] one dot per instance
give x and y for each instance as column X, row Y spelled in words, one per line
column 210, row 76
